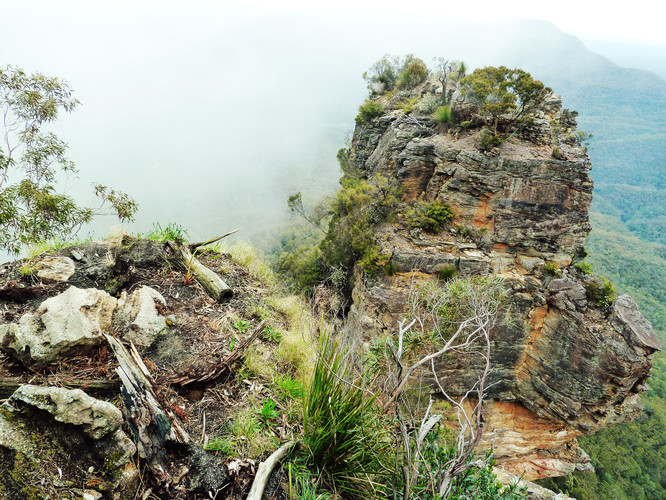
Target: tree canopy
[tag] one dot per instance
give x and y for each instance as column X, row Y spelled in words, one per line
column 504, row 95
column 33, row 158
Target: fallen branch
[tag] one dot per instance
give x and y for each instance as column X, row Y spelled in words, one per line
column 218, row 369
column 194, row 246
column 211, row 281
column 264, row 471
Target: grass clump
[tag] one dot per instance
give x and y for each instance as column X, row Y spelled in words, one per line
column 171, row 231
column 551, row 269
column 338, row 424
column 443, row 114
column 245, row 255
column 584, row 268
column 431, row 217
column 447, row 273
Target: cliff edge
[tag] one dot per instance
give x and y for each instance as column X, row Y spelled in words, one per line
column 571, row 358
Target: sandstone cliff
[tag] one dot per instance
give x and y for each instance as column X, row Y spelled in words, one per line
column 566, row 363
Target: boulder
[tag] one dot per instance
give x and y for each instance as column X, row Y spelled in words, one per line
column 567, row 294
column 56, row 269
column 72, row 406
column 70, row 322
column 139, row 314
column 628, row 320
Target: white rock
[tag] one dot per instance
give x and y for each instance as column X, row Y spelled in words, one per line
column 72, row 406
column 145, row 321
column 55, row 269
column 71, row 321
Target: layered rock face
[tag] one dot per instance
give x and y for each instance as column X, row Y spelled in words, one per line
column 564, row 364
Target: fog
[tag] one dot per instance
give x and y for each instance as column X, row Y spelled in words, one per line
column 211, row 115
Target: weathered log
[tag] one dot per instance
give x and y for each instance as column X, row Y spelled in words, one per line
column 151, row 424
column 9, row 384
column 218, row 369
column 264, row 471
column 160, row 438
column 211, row 281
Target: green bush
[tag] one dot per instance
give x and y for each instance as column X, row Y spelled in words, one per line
column 305, row 265
column 584, row 267
column 428, row 104
column 443, row 114
column 414, row 73
column 357, row 207
column 600, row 292
column 551, row 269
column 368, row 111
column 488, row 140
column 431, row 217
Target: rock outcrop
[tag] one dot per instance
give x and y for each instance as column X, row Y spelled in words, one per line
column 63, row 437
column 566, row 363
column 75, row 322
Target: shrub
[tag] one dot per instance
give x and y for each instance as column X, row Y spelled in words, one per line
column 389, row 268
column 428, row 104
column 600, row 292
column 305, row 266
column 357, row 207
column 488, row 140
column 414, row 73
column 443, row 114
column 368, row 111
column 408, row 105
column 430, row 217
column 584, row 267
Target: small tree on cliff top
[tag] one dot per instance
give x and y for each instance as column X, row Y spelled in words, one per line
column 504, row 95
column 31, row 158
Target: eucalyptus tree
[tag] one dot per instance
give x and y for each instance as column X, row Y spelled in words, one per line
column 33, row 160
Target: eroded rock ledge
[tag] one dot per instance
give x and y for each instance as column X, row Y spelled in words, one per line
column 563, row 366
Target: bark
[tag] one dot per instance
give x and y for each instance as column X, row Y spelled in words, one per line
column 151, row 424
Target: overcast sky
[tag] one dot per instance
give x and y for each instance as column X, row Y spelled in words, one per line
column 211, row 113
column 639, row 19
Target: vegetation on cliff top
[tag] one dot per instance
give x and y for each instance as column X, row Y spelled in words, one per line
column 31, row 161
